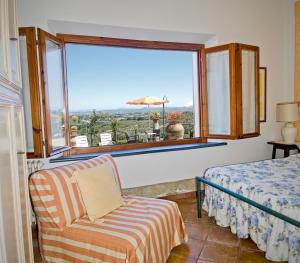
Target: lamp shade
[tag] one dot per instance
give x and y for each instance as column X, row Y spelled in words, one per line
column 287, row 112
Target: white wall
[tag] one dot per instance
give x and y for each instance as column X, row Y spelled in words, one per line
column 266, row 23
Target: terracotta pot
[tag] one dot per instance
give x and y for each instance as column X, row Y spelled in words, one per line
column 175, row 131
column 74, row 133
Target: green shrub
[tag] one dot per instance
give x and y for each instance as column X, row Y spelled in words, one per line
column 122, row 142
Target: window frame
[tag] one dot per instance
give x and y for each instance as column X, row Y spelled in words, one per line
column 233, row 93
column 40, row 100
column 236, row 103
column 42, row 37
column 239, row 48
column 35, row 100
column 143, row 44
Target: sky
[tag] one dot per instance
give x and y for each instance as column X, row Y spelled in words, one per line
column 101, row 77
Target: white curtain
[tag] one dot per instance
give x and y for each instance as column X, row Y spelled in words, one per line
column 248, row 90
column 218, row 92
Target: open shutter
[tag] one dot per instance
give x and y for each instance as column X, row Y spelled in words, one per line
column 54, row 93
column 30, row 92
column 248, row 95
column 230, row 91
column 219, row 92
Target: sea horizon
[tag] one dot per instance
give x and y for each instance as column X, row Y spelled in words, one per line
column 132, row 110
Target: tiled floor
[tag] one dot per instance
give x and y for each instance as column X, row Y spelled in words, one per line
column 211, row 243
column 207, row 241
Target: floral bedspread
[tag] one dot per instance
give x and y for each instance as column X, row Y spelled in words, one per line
column 272, row 183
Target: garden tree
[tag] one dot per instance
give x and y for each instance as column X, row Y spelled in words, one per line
column 92, row 123
column 187, row 116
column 114, row 123
column 104, row 116
column 187, row 122
column 93, row 128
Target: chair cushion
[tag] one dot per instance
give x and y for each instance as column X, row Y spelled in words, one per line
column 99, row 191
column 143, row 230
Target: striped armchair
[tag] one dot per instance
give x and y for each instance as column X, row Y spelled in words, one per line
column 142, row 230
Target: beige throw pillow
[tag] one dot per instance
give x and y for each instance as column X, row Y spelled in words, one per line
column 99, row 190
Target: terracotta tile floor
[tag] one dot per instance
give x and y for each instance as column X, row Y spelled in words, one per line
column 211, row 243
column 207, row 241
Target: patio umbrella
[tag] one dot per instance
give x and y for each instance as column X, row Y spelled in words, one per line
column 148, row 101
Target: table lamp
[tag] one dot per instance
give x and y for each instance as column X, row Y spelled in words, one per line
column 288, row 112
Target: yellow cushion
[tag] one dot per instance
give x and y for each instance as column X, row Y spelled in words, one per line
column 99, row 190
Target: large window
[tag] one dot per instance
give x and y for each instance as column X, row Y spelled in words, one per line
column 103, row 94
column 120, row 95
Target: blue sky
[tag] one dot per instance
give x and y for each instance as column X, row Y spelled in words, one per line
column 107, row 77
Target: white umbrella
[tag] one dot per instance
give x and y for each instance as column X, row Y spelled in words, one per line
column 148, row 101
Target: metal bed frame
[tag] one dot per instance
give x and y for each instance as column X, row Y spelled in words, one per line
column 200, row 180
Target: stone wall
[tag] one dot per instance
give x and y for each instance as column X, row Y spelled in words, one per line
column 164, row 189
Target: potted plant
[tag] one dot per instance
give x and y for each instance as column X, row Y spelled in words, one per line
column 74, row 130
column 74, row 127
column 175, row 130
column 73, row 134
column 155, row 116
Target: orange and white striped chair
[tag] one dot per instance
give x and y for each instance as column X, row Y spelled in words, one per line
column 144, row 230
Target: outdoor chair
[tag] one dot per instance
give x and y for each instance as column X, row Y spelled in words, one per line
column 105, row 139
column 131, row 138
column 81, row 141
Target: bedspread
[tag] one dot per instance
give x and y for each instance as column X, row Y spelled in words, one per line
column 272, row 183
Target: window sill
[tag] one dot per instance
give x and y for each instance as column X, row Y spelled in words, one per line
column 77, row 157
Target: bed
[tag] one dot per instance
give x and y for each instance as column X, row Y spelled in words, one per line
column 259, row 199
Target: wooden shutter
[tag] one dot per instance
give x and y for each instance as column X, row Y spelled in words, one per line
column 223, row 88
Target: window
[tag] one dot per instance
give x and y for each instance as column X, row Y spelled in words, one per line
column 130, row 94
column 104, row 94
column 114, row 84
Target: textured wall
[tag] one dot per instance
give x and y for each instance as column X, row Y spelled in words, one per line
column 163, row 189
column 297, row 58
